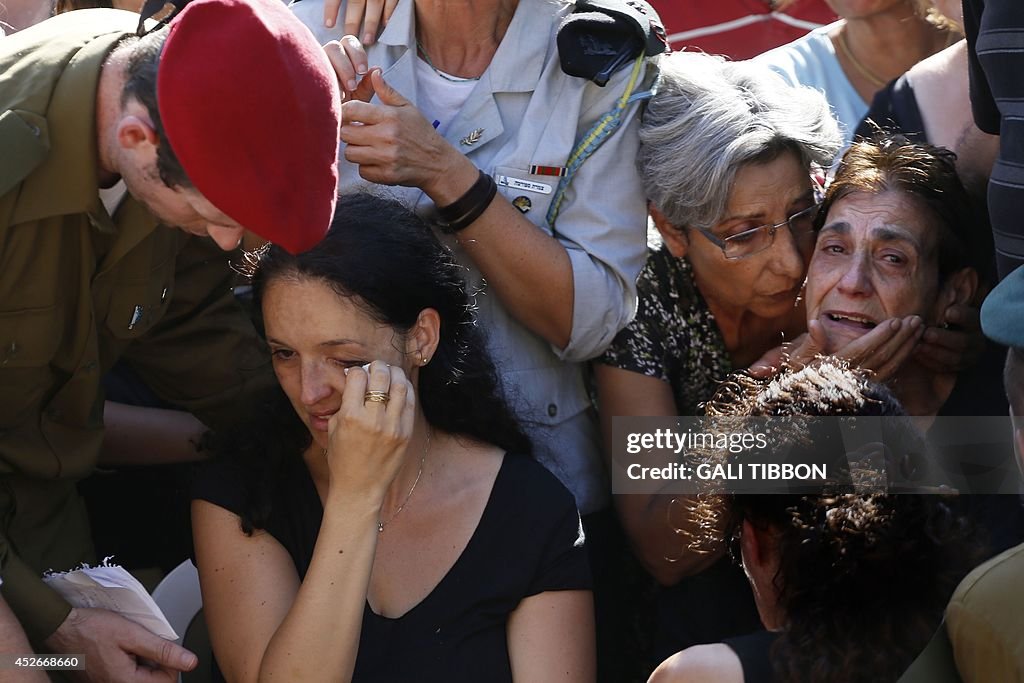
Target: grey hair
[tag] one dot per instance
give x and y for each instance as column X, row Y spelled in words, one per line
column 711, row 116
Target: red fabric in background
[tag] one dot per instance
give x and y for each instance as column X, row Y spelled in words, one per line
column 743, row 42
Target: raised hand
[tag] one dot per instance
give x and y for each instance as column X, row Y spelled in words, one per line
column 372, row 14
column 350, row 63
column 882, row 350
column 367, row 437
column 392, row 143
column 955, row 348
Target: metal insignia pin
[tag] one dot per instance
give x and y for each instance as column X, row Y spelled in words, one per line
column 163, row 294
column 136, row 316
column 522, row 203
column 472, row 138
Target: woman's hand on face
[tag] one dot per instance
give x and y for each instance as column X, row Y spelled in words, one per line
column 350, row 63
column 882, row 350
column 367, row 439
column 391, row 142
column 953, row 349
column 372, row 14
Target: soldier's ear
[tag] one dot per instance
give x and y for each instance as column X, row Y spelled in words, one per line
column 135, row 131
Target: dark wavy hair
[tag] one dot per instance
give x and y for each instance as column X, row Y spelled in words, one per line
column 863, row 578
column 386, row 261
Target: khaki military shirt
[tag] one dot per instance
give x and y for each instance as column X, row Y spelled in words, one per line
column 80, row 289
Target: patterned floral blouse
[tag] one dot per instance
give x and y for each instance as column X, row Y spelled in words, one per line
column 674, row 336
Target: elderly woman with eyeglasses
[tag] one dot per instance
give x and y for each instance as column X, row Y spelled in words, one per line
column 726, row 160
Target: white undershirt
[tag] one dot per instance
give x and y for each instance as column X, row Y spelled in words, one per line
column 113, row 196
column 439, row 100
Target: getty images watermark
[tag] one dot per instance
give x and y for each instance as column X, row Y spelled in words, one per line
column 798, row 454
column 665, row 439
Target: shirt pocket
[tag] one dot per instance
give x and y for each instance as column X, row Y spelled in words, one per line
column 531, row 193
column 137, row 304
column 29, row 339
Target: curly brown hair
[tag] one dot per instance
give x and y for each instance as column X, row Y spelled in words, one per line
column 862, row 578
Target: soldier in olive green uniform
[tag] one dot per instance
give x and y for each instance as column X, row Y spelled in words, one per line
column 81, row 288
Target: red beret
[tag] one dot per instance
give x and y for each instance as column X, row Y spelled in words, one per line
column 251, row 108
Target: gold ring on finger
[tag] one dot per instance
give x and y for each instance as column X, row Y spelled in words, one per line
column 376, row 397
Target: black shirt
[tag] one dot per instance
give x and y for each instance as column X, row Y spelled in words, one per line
column 753, row 651
column 894, row 109
column 529, row 540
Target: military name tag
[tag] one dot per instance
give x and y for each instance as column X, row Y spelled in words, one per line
column 519, row 184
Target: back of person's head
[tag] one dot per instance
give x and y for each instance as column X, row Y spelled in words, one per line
column 384, row 259
column 709, row 117
column 827, row 387
column 808, row 401
column 862, row 579
column 926, row 173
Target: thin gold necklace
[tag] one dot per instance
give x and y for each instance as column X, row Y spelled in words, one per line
column 419, row 473
column 423, row 458
column 867, row 73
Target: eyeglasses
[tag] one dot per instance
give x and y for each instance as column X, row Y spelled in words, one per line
column 756, row 240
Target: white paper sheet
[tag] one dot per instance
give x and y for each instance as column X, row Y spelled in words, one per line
column 112, row 588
